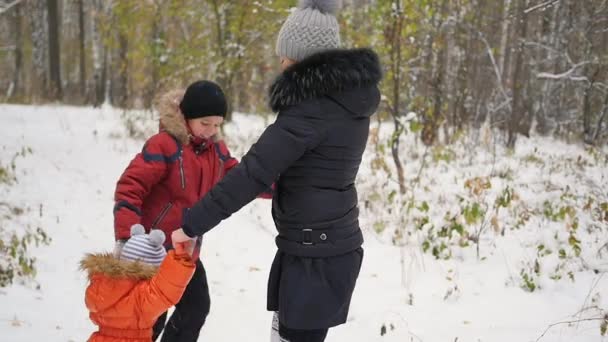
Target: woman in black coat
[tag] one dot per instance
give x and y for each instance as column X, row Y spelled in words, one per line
column 312, row 152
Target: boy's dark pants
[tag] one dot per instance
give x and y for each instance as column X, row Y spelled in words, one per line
column 190, row 313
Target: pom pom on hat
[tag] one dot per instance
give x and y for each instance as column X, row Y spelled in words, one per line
column 157, row 237
column 137, row 229
column 324, row 6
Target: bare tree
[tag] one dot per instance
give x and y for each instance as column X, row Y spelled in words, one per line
column 518, row 109
column 40, row 61
column 55, row 91
column 100, row 13
column 82, row 64
column 393, row 36
column 16, row 83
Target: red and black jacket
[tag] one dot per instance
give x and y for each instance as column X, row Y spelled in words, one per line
column 169, row 175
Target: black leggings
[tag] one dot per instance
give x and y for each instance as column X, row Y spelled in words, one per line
column 190, row 313
column 296, row 335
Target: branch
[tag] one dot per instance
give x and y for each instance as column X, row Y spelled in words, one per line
column 565, row 74
column 569, row 322
column 543, row 5
column 7, row 7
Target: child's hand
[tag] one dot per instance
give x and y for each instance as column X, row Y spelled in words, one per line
column 186, row 247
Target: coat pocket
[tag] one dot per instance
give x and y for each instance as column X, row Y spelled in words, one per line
column 161, row 216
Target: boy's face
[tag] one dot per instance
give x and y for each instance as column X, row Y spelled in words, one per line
column 205, row 127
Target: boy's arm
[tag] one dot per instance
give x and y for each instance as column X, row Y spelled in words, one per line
column 144, row 172
column 167, row 286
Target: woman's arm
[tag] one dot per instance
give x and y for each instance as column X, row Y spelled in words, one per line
column 282, row 143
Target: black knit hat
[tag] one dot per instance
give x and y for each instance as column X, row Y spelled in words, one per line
column 203, row 98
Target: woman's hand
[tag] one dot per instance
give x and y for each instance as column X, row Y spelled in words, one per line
column 179, row 236
column 183, row 247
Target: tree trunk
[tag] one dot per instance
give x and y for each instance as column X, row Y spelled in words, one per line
column 600, row 122
column 504, row 38
column 100, row 56
column 15, row 87
column 157, row 27
column 588, row 133
column 221, row 11
column 517, row 110
column 395, row 57
column 437, row 71
column 119, row 89
column 82, row 53
column 55, row 92
column 40, row 64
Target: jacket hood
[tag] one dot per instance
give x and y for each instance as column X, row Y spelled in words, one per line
column 171, row 118
column 349, row 77
column 112, row 267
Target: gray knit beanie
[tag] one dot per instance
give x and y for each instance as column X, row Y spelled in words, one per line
column 311, row 28
column 146, row 248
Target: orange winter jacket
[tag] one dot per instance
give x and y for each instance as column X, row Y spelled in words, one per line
column 125, row 298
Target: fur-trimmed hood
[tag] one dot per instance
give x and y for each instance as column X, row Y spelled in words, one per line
column 326, row 73
column 110, row 266
column 171, row 118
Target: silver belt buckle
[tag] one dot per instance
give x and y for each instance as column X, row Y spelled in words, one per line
column 307, row 236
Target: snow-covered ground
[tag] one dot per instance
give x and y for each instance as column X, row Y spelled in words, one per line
column 65, row 185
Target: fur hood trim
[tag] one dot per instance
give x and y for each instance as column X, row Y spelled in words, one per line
column 113, row 267
column 325, row 73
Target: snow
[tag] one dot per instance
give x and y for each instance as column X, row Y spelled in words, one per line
column 66, row 187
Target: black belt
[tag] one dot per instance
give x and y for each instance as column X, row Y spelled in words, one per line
column 321, row 232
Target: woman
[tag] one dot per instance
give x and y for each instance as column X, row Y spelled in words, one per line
column 324, row 99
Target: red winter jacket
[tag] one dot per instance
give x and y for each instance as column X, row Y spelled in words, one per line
column 168, row 175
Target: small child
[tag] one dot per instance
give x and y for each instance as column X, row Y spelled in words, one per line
column 129, row 291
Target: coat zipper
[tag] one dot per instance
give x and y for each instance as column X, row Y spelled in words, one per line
column 162, row 215
column 181, row 172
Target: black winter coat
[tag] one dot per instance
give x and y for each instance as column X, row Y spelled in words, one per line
column 312, row 154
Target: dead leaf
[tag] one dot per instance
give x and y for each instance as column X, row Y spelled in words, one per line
column 16, row 322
